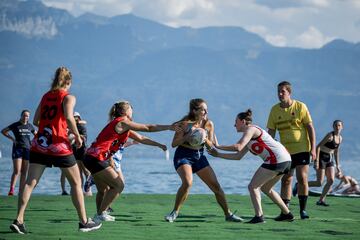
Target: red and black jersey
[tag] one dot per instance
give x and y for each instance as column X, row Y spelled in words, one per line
column 52, row 137
column 108, row 141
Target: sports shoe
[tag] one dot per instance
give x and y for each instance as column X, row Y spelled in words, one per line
column 295, row 189
column 303, row 214
column 233, row 218
column 171, row 216
column 17, row 227
column 103, row 217
column 88, row 183
column 89, row 226
column 257, row 219
column 285, row 217
column 322, row 203
column 64, row 193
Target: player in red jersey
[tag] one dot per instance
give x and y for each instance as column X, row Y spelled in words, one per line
column 51, row 147
column 98, row 156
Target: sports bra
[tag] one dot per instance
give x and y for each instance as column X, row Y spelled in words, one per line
column 332, row 144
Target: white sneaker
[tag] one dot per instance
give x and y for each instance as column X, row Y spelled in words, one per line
column 103, row 217
column 171, row 216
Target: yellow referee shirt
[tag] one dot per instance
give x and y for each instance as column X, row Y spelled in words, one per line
column 291, row 123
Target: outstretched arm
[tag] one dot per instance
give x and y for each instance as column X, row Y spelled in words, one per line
column 130, row 125
column 145, row 140
column 230, row 156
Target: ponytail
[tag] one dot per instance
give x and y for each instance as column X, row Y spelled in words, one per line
column 246, row 115
column 119, row 109
column 62, row 77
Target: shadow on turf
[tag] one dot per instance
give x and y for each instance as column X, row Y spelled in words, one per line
column 331, row 232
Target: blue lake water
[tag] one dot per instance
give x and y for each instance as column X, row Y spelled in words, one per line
column 158, row 176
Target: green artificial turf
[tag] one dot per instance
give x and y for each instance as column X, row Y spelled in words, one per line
column 141, row 216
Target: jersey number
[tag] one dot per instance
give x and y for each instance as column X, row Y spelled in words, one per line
column 49, row 112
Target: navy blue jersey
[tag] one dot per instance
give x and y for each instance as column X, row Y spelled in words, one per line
column 22, row 133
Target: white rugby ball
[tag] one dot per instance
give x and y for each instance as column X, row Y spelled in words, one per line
column 197, row 137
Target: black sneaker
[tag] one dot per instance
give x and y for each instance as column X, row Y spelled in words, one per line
column 257, row 219
column 294, row 190
column 322, row 203
column 303, row 214
column 17, row 227
column 89, row 226
column 285, row 217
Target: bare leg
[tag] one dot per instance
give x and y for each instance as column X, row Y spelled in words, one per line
column 110, row 178
column 77, row 197
column 302, row 178
column 207, row 175
column 330, row 176
column 23, row 174
column 260, row 177
column 185, row 173
column 286, row 181
column 35, row 173
column 62, row 181
column 319, row 178
column 16, row 171
column 267, row 188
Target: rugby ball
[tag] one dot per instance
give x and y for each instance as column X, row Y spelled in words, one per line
column 197, row 137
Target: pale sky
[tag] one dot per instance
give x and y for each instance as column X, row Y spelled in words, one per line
column 290, row 23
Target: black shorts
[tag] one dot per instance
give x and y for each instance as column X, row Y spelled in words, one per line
column 195, row 158
column 298, row 159
column 325, row 160
column 281, row 168
column 94, row 165
column 20, row 152
column 79, row 153
column 49, row 160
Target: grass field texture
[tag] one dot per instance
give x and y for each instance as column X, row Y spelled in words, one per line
column 141, row 216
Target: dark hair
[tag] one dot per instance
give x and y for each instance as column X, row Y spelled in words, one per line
column 24, row 111
column 246, row 115
column 194, row 105
column 337, row 121
column 118, row 109
column 285, row 84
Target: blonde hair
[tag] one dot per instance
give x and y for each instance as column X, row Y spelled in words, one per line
column 61, row 78
column 119, row 109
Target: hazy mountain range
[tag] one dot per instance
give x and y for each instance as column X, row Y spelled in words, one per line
column 159, row 69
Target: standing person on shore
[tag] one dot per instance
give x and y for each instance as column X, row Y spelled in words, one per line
column 21, row 130
column 190, row 158
column 324, row 163
column 51, row 147
column 97, row 159
column 293, row 121
column 277, row 162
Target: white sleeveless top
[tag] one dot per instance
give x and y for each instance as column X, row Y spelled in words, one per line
column 270, row 150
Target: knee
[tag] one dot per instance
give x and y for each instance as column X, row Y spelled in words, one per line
column 119, row 187
column 252, row 187
column 330, row 181
column 266, row 190
column 286, row 181
column 187, row 184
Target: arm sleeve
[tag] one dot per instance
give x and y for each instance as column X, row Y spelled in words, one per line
column 305, row 114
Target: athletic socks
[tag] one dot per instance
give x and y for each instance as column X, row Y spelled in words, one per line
column 287, row 202
column 302, row 202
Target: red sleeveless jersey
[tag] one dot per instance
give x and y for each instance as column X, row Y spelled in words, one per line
column 108, row 141
column 52, row 137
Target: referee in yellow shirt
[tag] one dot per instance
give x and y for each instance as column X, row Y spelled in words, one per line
column 292, row 120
